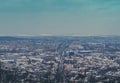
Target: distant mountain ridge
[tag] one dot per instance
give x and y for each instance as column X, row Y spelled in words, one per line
column 9, row 38
column 56, row 37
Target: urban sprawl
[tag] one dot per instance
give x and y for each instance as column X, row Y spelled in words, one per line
column 91, row 59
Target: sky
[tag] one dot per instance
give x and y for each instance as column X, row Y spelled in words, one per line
column 59, row 17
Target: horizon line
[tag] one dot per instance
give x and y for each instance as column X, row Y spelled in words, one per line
column 52, row 35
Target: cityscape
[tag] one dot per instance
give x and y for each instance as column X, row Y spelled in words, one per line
column 60, row 59
column 59, row 41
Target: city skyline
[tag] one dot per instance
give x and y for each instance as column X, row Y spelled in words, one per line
column 59, row 17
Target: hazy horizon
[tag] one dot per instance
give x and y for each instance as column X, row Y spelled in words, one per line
column 59, row 17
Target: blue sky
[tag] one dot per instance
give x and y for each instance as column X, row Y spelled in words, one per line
column 59, row 17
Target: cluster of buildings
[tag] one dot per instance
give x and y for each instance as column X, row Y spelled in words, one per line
column 61, row 60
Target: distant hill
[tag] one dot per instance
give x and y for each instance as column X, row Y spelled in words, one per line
column 60, row 37
column 9, row 38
